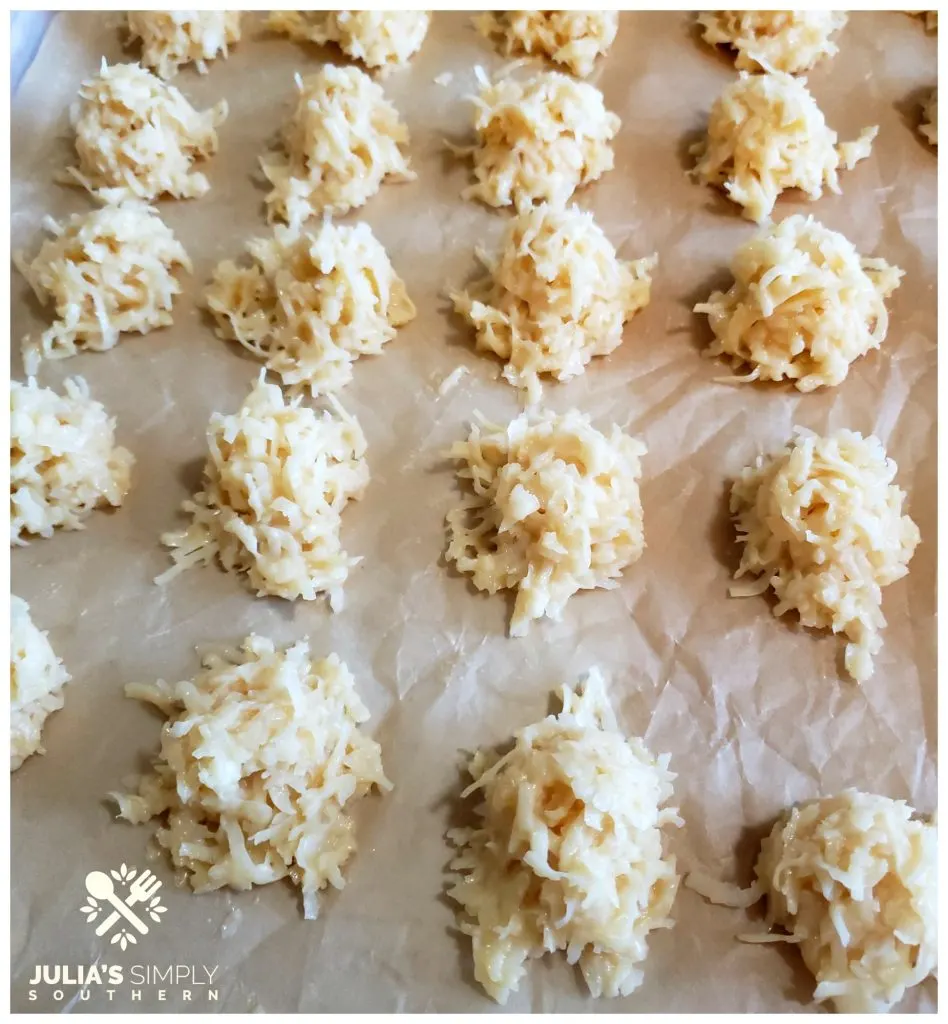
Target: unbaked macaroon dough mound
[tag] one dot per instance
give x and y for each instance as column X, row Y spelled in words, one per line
column 767, row 134
column 341, row 142
column 568, row 850
column 107, row 272
column 261, row 761
column 555, row 509
column 64, row 462
column 380, row 39
column 928, row 127
column 311, row 303
column 37, row 678
column 804, row 305
column 853, row 879
column 571, row 38
column 170, row 39
column 137, row 136
column 276, row 481
column 791, row 41
column 539, row 139
column 555, row 296
column 821, row 522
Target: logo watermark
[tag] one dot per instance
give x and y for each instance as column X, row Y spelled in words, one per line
column 119, row 891
column 122, row 906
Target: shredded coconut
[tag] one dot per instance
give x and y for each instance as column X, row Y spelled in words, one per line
column 555, row 297
column 804, row 305
column 853, row 880
column 64, row 462
column 929, row 123
column 791, row 41
column 172, row 38
column 343, row 140
column 37, row 678
column 276, row 482
column 452, row 380
column 538, row 140
column 568, row 851
column 821, row 522
column 572, row 38
column 767, row 134
column 380, row 39
column 107, row 272
column 311, row 303
column 137, row 136
column 261, row 760
column 555, row 509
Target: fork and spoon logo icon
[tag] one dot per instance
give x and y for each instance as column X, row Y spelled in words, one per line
column 137, row 889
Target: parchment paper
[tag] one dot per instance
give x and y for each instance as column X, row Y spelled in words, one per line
column 754, row 711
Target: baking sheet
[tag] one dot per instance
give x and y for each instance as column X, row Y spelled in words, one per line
column 753, row 711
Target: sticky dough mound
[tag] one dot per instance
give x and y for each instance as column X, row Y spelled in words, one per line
column 107, row 272
column 929, row 123
column 172, row 38
column 821, row 522
column 571, row 38
column 853, row 879
column 380, row 39
column 804, row 305
column 276, row 482
column 261, row 760
column 538, row 140
column 37, row 678
column 555, row 509
column 554, row 297
column 137, row 136
column 311, row 303
column 342, row 141
column 568, row 852
column 791, row 41
column 766, row 134
column 64, row 462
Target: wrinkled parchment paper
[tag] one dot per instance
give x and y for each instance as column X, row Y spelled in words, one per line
column 754, row 711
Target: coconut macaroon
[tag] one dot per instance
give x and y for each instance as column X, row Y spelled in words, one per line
column 767, row 134
column 107, row 272
column 928, row 126
column 567, row 852
column 311, row 303
column 571, row 38
column 821, row 523
column 555, row 296
column 64, row 462
column 276, row 482
column 170, row 39
column 853, row 880
column 341, row 142
column 791, row 41
column 137, row 136
column 804, row 305
column 261, row 761
column 538, row 140
column 380, row 39
column 37, row 678
column 554, row 509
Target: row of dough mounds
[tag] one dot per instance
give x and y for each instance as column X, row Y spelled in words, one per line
column 554, row 506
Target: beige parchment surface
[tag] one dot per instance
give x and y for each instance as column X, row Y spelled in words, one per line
column 753, row 710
